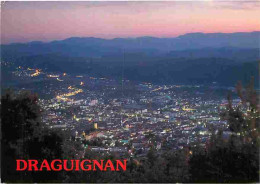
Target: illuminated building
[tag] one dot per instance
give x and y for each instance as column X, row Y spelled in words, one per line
column 83, row 134
column 95, row 126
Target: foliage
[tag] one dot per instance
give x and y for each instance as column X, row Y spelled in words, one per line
column 236, row 158
column 25, row 137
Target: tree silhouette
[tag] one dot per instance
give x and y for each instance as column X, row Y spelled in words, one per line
column 25, row 137
column 235, row 159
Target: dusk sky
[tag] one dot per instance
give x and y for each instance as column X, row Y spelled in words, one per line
column 45, row 21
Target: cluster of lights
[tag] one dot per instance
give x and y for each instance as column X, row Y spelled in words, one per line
column 157, row 89
column 52, row 76
column 188, row 109
column 37, row 72
column 69, row 94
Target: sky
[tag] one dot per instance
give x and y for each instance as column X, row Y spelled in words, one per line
column 46, row 21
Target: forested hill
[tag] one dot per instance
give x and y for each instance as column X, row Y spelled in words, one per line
column 224, row 43
column 194, row 58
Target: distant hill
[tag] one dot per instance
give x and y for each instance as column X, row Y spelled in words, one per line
column 247, row 43
column 194, row 58
column 221, row 71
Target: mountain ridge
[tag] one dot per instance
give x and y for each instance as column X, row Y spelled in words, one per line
column 141, row 37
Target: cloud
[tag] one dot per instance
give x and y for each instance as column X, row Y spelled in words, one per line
column 237, row 5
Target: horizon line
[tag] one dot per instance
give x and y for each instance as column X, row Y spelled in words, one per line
column 103, row 38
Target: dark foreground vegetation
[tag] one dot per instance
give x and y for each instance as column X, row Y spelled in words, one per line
column 232, row 159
